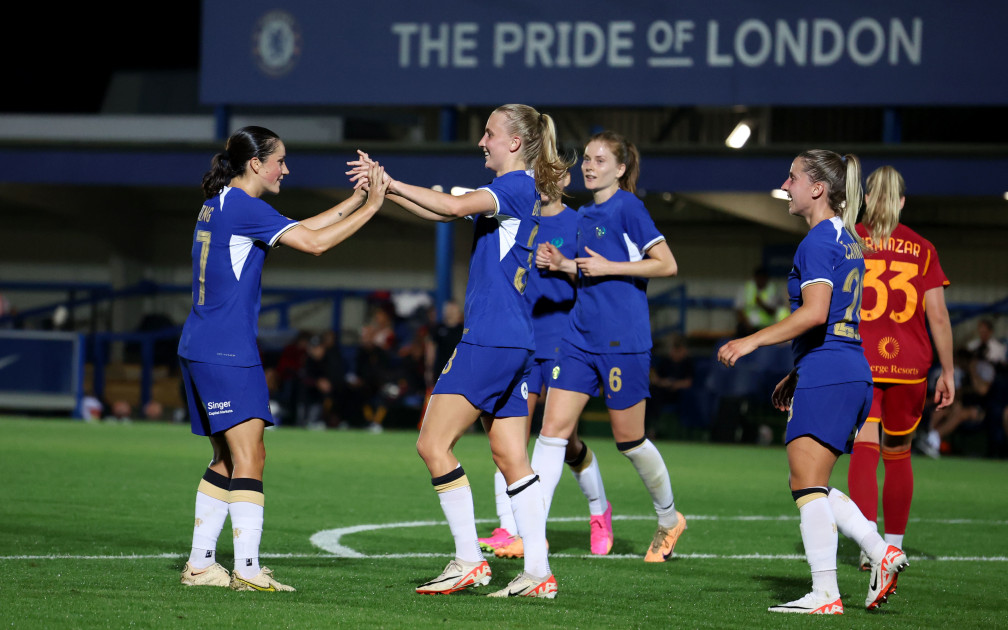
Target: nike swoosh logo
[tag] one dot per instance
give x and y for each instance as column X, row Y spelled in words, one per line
column 269, row 588
column 874, row 582
column 10, row 359
column 515, row 593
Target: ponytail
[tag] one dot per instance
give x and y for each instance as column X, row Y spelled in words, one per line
column 539, row 147
column 243, row 145
column 842, row 176
column 882, row 212
column 853, row 196
column 218, row 176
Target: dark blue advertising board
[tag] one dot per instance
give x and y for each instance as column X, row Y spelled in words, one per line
column 599, row 52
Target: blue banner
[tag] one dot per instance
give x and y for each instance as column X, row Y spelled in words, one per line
column 40, row 370
column 599, row 52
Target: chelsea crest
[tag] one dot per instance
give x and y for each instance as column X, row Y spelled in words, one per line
column 276, row 43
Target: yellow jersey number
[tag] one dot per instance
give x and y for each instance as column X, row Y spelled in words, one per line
column 521, row 275
column 448, row 366
column 905, row 272
column 202, row 236
column 615, row 379
column 847, row 327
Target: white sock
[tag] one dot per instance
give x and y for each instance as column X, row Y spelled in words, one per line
column 210, row 516
column 819, row 535
column 456, row 499
column 852, row 524
column 896, row 540
column 247, row 525
column 530, row 516
column 504, row 513
column 589, row 478
column 548, row 462
column 651, row 468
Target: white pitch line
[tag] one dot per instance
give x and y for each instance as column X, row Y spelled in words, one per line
column 329, row 541
column 395, row 556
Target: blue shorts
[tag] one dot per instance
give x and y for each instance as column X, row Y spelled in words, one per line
column 222, row 396
column 494, row 380
column 539, row 376
column 621, row 379
column 832, row 414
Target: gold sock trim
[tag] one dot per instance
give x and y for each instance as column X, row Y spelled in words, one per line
column 213, row 491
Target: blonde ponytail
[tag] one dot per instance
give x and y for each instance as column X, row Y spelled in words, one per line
column 539, row 147
column 882, row 212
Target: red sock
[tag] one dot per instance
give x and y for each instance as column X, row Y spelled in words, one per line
column 862, row 479
column 897, row 491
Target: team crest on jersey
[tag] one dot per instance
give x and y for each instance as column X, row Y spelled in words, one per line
column 556, row 372
column 557, row 242
column 276, row 43
column 888, row 347
column 600, row 231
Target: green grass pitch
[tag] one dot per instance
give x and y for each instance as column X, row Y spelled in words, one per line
column 96, row 523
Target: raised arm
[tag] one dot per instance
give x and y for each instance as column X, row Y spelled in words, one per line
column 338, row 212
column 425, row 202
column 443, row 204
column 318, row 241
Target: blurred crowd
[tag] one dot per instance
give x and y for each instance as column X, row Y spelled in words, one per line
column 385, row 377
column 980, row 410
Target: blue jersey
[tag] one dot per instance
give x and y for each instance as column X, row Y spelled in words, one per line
column 611, row 312
column 233, row 234
column 552, row 294
column 497, row 313
column 831, row 353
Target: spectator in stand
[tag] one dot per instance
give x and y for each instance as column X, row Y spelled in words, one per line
column 987, row 347
column 374, row 367
column 446, row 335
column 288, row 369
column 120, row 411
column 321, row 378
column 410, row 386
column 380, row 329
column 759, row 303
column 970, row 407
column 671, row 373
column 91, row 408
column 153, row 410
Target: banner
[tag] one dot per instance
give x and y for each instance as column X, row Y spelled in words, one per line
column 595, row 52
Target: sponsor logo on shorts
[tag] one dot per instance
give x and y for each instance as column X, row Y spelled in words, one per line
column 556, row 372
column 217, row 408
